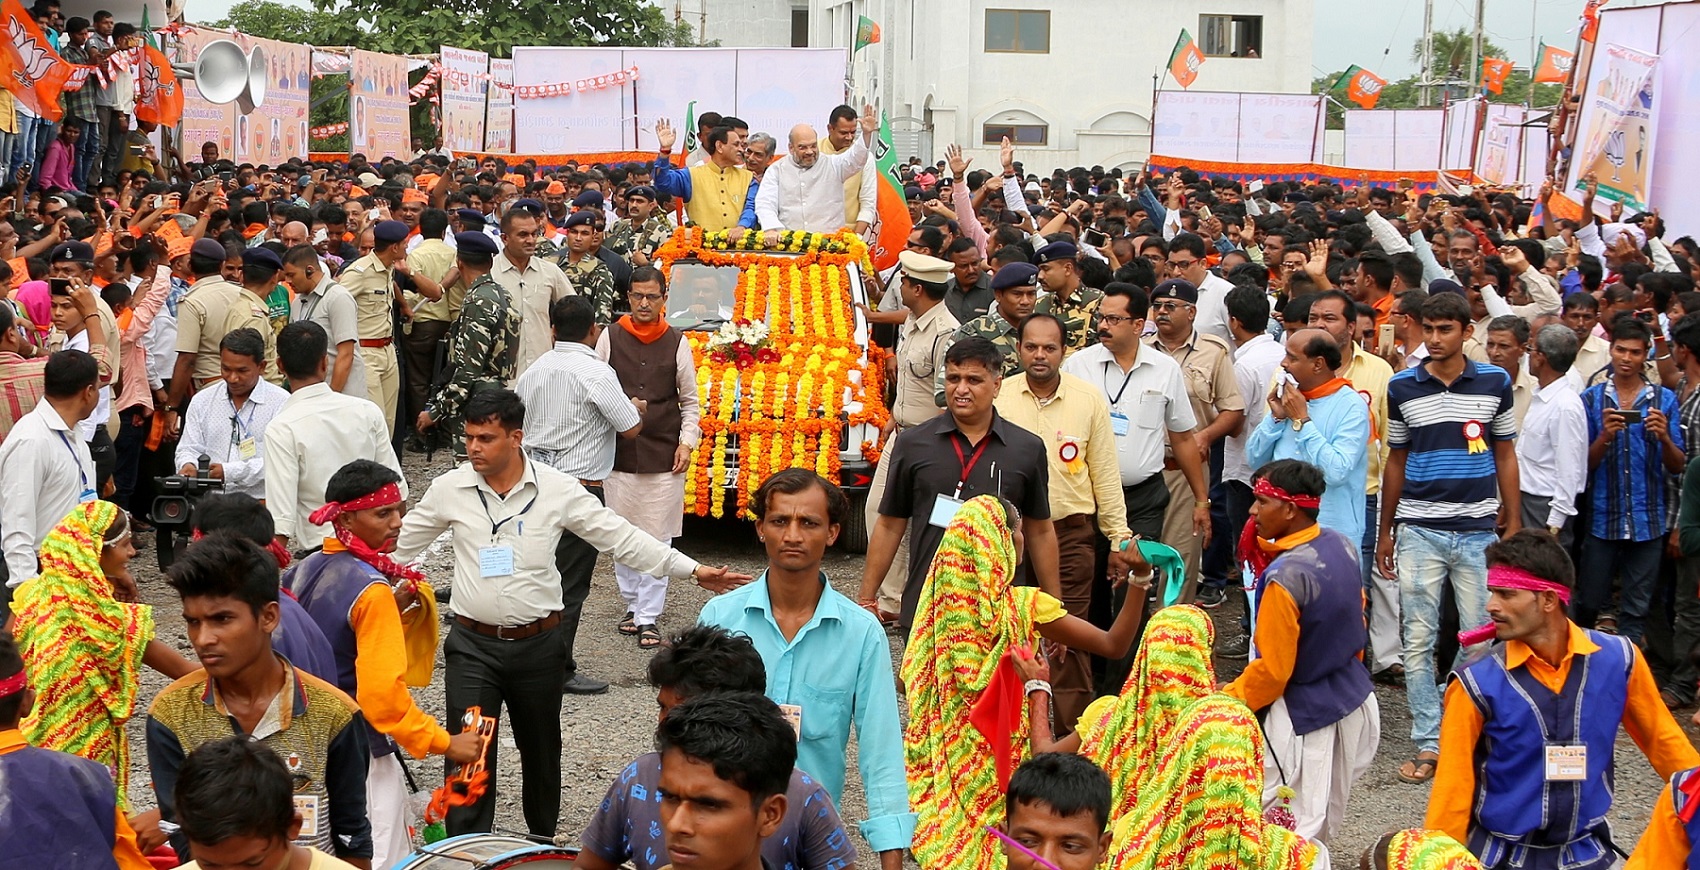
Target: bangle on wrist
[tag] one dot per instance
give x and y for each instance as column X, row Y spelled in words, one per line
column 1037, row 686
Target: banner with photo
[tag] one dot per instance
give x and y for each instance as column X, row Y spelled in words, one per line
column 499, row 122
column 378, row 121
column 203, row 122
column 466, row 81
column 276, row 130
column 1618, row 126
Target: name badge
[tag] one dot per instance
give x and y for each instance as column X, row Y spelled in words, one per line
column 246, row 449
column 495, row 561
column 1567, row 763
column 944, row 510
column 86, row 496
column 1118, row 423
column 307, row 806
column 793, row 714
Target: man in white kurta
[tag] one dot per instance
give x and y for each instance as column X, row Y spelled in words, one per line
column 805, row 191
column 647, row 485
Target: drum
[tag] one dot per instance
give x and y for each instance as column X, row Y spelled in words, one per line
column 489, row 852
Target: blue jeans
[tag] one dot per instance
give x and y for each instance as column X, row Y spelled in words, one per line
column 23, row 148
column 1427, row 559
column 1636, row 563
column 88, row 151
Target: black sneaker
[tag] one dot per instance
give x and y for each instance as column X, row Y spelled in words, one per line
column 580, row 684
column 1211, row 597
column 1235, row 648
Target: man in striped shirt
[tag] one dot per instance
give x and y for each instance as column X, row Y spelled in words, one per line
column 1451, row 423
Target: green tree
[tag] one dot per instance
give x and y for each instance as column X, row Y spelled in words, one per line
column 269, row 19
column 1406, row 94
column 1452, row 51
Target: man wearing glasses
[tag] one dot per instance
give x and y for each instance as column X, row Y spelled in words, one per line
column 1186, row 262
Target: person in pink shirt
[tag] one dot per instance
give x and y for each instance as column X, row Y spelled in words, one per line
column 61, row 157
column 136, row 389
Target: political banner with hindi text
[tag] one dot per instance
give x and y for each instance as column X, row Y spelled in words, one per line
column 499, row 121
column 466, row 81
column 378, row 121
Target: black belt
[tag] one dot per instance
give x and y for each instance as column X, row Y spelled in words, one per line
column 510, row 632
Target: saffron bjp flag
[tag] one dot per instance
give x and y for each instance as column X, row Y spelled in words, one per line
column 1553, row 65
column 31, row 69
column 161, row 98
column 1185, row 60
column 894, row 221
column 1362, row 86
column 1494, row 73
column 1591, row 20
column 867, row 33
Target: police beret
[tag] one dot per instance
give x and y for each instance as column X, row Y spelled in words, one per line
column 580, row 218
column 588, row 199
column 642, row 190
column 262, row 257
column 469, row 214
column 1057, row 251
column 476, row 242
column 208, row 248
column 1016, row 275
column 71, row 252
column 530, row 205
column 1175, row 288
column 389, row 232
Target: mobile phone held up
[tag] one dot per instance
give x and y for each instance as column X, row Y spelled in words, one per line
column 1629, row 416
column 1093, row 238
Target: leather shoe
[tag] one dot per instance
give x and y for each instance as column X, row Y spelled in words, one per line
column 579, row 684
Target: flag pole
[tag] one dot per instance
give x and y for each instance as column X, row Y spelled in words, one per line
column 1156, row 86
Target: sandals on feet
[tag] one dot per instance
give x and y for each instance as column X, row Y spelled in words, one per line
column 1421, row 769
column 649, row 637
column 627, row 626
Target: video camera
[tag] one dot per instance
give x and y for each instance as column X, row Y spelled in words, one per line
column 174, row 507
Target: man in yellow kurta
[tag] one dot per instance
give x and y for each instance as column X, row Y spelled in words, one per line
column 719, row 194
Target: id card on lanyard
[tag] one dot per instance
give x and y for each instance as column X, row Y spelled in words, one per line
column 86, row 493
column 945, row 507
column 1118, row 421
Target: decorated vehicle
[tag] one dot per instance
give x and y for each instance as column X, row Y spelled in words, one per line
column 785, row 371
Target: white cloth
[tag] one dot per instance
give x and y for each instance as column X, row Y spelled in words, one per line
column 1213, row 307
column 645, row 594
column 528, row 523
column 314, row 436
column 575, row 410
column 388, row 809
column 1152, row 396
column 1552, row 449
column 38, row 487
column 1386, row 626
column 1321, row 767
column 332, row 307
column 160, row 343
column 537, row 288
column 214, row 426
column 1255, row 363
column 103, row 409
column 811, row 198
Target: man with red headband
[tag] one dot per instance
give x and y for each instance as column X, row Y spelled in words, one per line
column 367, row 605
column 1526, row 769
column 1307, row 674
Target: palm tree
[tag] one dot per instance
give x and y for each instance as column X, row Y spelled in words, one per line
column 1452, row 51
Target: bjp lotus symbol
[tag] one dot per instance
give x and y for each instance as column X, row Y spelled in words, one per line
column 33, row 60
column 1615, row 153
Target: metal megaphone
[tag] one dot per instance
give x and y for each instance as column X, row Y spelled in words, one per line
column 224, row 73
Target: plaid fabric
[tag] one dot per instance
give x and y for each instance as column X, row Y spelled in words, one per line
column 1627, row 489
column 79, row 103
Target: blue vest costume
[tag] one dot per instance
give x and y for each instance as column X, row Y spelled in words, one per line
column 1329, row 680
column 1686, row 807
column 1519, row 819
column 71, row 825
column 327, row 585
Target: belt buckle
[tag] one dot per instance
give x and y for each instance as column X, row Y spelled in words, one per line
column 503, row 628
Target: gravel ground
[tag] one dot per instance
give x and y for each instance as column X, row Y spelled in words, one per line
column 603, row 732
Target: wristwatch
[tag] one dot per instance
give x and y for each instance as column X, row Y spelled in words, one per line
column 1299, row 423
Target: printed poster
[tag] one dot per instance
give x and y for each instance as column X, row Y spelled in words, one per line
column 378, row 124
column 1618, row 127
column 499, row 123
column 465, row 82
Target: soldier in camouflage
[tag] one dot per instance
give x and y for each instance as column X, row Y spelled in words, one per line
column 1069, row 301
column 644, row 228
column 482, row 344
column 588, row 274
column 1014, row 288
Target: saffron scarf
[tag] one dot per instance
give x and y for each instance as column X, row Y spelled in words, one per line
column 1203, row 806
column 1417, row 849
column 646, row 334
column 81, row 646
column 1334, row 386
column 967, row 620
column 419, row 630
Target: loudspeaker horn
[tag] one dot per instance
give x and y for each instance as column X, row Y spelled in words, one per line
column 224, row 73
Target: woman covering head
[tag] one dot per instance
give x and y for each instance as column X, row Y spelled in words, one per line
column 1417, row 849
column 1202, row 807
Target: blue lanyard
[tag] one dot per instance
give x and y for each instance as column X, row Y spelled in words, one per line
column 76, row 460
column 236, row 423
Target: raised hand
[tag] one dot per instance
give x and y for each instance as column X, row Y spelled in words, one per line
column 1006, row 155
column 958, row 163
column 665, row 135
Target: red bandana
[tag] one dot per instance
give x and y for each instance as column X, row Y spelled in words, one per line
column 387, row 494
column 13, row 684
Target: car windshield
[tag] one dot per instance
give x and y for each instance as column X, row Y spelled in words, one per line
column 701, row 296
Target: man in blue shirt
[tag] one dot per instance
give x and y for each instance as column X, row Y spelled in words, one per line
column 1632, row 448
column 828, row 661
column 1449, row 481
column 1318, row 418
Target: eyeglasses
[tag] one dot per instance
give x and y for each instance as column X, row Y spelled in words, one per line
column 1115, row 319
column 1182, row 264
column 1170, row 305
column 645, row 297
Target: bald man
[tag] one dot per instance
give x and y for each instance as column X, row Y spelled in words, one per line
column 294, row 233
column 805, row 191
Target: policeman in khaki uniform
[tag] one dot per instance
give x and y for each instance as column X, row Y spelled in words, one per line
column 483, row 343
column 372, row 281
column 1067, row 300
column 1015, row 289
column 919, row 363
column 1207, row 367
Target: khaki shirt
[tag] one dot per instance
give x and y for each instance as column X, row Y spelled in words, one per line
column 202, row 319
column 1207, row 367
column 1075, row 421
column 536, row 289
column 250, row 312
column 434, row 259
column 369, row 281
column 1369, row 375
column 920, row 357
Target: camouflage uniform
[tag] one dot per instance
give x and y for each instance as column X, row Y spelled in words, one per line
column 591, row 278
column 625, row 237
column 998, row 331
column 1078, row 315
column 482, row 347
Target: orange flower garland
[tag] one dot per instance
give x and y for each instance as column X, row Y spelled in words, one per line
column 791, row 410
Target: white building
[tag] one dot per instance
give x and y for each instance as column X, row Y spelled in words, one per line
column 1070, row 82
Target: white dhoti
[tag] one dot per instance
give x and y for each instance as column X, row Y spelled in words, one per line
column 656, row 504
column 387, row 807
column 1320, row 767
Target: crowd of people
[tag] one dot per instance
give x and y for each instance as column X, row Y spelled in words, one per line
column 1432, row 441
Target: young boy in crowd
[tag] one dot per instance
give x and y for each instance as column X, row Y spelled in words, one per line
column 1058, row 809
column 235, row 805
column 725, row 763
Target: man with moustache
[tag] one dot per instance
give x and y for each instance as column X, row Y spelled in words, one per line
column 1015, row 291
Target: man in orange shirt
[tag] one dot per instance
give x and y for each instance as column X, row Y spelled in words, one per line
column 1525, row 771
column 1674, row 828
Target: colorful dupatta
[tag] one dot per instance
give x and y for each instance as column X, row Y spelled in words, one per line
column 1417, row 849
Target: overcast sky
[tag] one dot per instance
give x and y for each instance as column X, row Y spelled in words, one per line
column 1348, row 31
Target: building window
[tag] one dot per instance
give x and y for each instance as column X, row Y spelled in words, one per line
column 1018, row 30
column 800, row 28
column 1019, row 134
column 1230, row 35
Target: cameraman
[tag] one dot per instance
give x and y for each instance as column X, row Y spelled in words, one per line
column 227, row 419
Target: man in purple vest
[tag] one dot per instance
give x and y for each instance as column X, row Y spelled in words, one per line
column 647, row 486
column 1525, row 774
column 1307, row 673
column 56, row 810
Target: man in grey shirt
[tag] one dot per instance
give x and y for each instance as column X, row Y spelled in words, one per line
column 331, row 306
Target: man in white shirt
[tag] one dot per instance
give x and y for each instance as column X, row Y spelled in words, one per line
column 805, row 191
column 535, row 282
column 74, row 262
column 1186, row 261
column 1552, row 446
column 48, row 469
column 331, row 306
column 227, row 420
column 507, row 513
column 575, row 409
column 315, row 435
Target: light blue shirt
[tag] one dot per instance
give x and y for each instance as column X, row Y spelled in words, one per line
column 1335, row 440
column 838, row 669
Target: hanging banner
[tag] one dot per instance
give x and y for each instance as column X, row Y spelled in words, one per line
column 1618, row 129
column 279, row 126
column 378, row 122
column 499, row 121
column 203, row 122
column 466, row 82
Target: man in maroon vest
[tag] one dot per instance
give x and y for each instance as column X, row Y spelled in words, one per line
column 647, row 486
